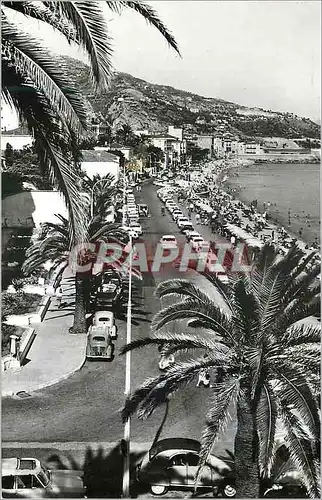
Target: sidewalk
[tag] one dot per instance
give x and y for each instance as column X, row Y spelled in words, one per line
column 55, row 353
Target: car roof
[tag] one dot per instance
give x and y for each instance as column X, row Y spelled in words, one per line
column 168, row 236
column 12, row 465
column 172, row 444
column 100, row 314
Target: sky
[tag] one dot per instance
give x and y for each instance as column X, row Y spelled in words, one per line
column 255, row 53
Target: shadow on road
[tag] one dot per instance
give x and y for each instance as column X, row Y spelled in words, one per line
column 103, row 472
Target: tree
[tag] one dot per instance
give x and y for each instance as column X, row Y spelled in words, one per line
column 56, row 245
column 118, row 153
column 125, row 136
column 37, row 87
column 102, row 190
column 263, row 357
column 24, row 165
column 197, row 154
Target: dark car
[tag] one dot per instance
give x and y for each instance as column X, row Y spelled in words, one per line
column 110, row 290
column 173, row 463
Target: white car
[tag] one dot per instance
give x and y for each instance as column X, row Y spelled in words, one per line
column 173, row 208
column 181, row 221
column 191, row 234
column 170, row 203
column 196, row 242
column 168, row 241
column 176, row 214
column 136, row 227
column 29, row 478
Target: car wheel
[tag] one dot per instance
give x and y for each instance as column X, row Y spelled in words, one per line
column 158, row 489
column 229, row 491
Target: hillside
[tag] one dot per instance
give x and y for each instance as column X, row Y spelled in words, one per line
column 144, row 105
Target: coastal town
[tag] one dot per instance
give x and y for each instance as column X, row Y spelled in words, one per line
column 160, row 295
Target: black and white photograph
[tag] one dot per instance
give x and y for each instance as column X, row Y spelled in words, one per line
column 161, row 265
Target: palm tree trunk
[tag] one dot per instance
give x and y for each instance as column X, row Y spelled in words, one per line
column 160, row 429
column 79, row 325
column 247, row 474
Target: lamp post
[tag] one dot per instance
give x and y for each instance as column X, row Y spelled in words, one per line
column 92, row 195
column 126, row 468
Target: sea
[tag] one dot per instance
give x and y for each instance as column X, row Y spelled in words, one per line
column 291, row 193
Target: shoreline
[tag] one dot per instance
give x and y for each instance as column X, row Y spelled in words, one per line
column 226, row 167
column 275, row 216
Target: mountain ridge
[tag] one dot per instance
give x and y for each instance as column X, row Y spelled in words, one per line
column 143, row 105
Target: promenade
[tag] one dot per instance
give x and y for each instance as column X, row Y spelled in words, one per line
column 55, row 353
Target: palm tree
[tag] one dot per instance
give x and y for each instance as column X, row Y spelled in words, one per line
column 34, row 82
column 103, row 190
column 56, row 245
column 263, row 357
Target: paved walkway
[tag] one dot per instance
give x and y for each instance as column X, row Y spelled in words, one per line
column 55, row 353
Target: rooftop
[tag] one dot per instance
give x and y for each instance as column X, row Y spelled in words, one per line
column 164, row 136
column 95, row 156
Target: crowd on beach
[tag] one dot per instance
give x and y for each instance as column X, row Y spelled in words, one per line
column 227, row 215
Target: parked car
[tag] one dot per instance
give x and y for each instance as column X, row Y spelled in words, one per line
column 170, row 204
column 172, row 464
column 136, row 226
column 181, row 221
column 168, row 241
column 29, row 478
column 100, row 336
column 191, row 234
column 196, row 242
column 143, row 210
column 186, row 227
column 176, row 214
column 110, row 289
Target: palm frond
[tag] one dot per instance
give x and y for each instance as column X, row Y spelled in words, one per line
column 92, row 35
column 300, row 334
column 38, row 10
column 246, row 312
column 209, row 315
column 295, row 391
column 53, row 143
column 266, row 417
column 224, row 396
column 31, row 60
column 152, row 18
column 154, row 391
column 302, row 457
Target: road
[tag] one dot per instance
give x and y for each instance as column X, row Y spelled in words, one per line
column 86, row 407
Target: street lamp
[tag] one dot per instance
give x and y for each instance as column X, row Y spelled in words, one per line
column 126, row 469
column 92, row 195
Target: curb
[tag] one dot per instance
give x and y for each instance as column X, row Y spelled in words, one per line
column 50, row 382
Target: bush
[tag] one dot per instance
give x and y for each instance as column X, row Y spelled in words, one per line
column 6, row 331
column 15, row 303
column 18, row 303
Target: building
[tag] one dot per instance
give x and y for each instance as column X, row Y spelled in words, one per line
column 252, row 148
column 17, row 138
column 9, row 119
column 100, row 163
column 126, row 150
column 173, row 146
column 32, row 208
column 205, row 142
